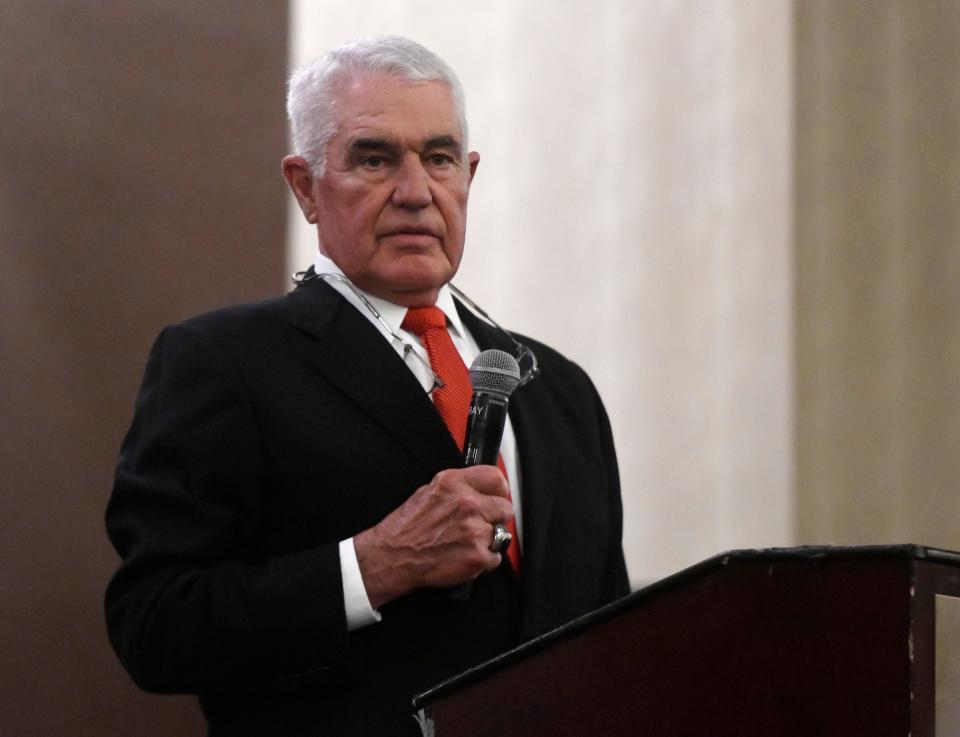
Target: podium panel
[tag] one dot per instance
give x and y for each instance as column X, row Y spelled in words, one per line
column 799, row 641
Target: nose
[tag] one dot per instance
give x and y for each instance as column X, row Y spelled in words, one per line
column 412, row 190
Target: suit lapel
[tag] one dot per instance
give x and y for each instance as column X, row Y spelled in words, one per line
column 354, row 357
column 539, row 461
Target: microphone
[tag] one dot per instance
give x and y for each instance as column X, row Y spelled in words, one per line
column 494, row 374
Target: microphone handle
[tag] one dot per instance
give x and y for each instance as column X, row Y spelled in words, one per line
column 485, row 423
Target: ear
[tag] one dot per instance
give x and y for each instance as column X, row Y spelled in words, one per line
column 297, row 172
column 473, row 158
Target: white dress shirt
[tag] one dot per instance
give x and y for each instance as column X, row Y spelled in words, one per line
column 356, row 603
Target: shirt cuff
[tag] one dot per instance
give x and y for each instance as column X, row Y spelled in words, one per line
column 355, row 602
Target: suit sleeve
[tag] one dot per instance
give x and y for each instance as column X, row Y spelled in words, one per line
column 195, row 607
column 616, row 583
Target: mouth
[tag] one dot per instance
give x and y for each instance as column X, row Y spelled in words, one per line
column 411, row 231
column 412, row 237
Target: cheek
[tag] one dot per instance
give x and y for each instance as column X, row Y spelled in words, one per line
column 350, row 221
column 454, row 206
column 344, row 200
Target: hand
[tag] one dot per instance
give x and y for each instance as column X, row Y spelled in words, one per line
column 439, row 537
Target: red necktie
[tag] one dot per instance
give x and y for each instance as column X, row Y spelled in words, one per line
column 452, row 400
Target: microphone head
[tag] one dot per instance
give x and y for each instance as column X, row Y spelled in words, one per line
column 495, row 372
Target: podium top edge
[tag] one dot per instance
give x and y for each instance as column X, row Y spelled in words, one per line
column 815, row 552
column 811, row 553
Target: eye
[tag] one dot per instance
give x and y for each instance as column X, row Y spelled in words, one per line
column 440, row 160
column 373, row 162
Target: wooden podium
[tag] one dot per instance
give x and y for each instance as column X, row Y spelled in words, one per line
column 797, row 641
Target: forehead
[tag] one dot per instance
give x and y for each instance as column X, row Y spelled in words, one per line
column 386, row 106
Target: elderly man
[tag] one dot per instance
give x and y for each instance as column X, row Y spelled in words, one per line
column 302, row 546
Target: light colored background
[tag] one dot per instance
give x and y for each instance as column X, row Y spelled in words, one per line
column 740, row 216
column 633, row 209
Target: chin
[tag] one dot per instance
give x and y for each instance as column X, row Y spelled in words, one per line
column 423, row 277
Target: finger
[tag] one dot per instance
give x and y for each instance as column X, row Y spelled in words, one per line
column 495, row 509
column 487, row 480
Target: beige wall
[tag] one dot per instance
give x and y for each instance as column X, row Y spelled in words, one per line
column 878, row 271
column 139, row 184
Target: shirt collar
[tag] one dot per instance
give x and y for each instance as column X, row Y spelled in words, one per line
column 391, row 313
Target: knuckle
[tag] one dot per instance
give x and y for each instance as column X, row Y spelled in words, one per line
column 469, row 504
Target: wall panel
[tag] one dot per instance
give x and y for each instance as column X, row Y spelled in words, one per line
column 139, row 183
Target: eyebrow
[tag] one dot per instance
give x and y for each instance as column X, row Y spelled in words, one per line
column 385, row 146
column 371, row 144
column 444, row 141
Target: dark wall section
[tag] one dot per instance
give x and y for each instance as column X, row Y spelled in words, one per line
column 139, row 183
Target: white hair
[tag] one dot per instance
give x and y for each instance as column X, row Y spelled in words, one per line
column 312, row 98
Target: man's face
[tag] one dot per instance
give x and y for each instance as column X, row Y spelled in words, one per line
column 391, row 206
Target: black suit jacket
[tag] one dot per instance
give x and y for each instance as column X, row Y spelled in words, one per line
column 266, row 433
